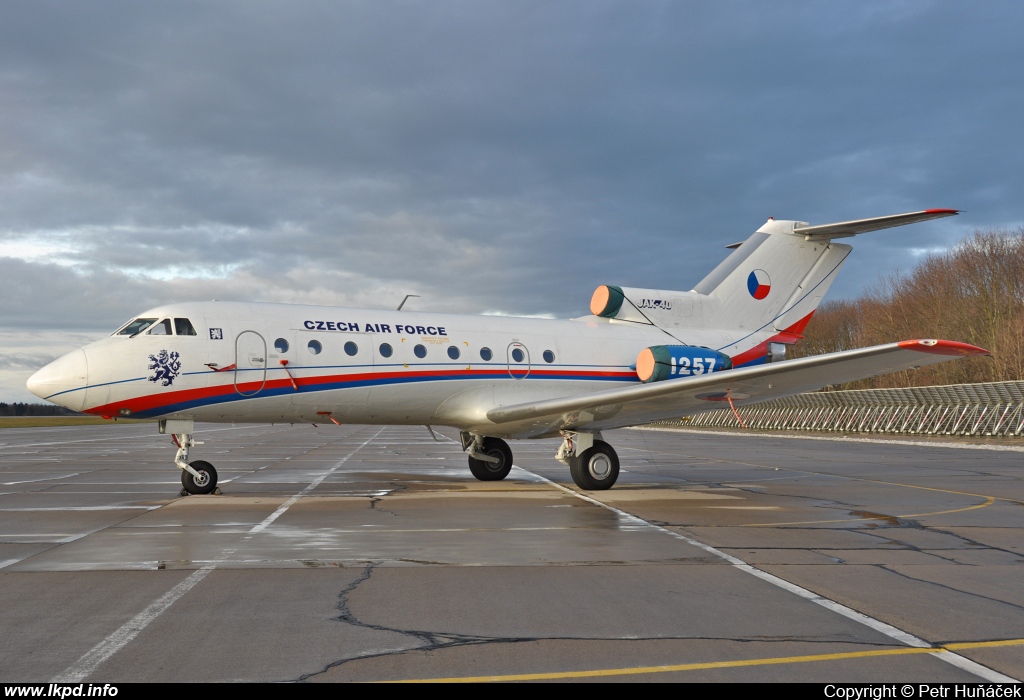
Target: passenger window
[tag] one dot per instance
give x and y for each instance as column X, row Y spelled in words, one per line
column 518, row 355
column 385, row 350
column 281, row 345
column 315, row 347
column 453, row 352
column 549, row 356
column 486, row 354
column 182, row 326
column 136, row 326
column 351, row 348
column 162, row 327
column 420, row 351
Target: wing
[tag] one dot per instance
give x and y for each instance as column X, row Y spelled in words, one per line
column 845, row 229
column 635, row 405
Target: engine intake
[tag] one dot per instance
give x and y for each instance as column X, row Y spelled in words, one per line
column 661, row 362
column 607, row 301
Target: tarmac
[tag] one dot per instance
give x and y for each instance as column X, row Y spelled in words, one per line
column 369, row 553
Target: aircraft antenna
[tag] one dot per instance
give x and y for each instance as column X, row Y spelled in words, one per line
column 407, row 297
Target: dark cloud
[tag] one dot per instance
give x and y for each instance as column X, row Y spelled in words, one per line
column 490, row 156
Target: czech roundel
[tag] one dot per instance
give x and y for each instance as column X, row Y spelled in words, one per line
column 758, row 284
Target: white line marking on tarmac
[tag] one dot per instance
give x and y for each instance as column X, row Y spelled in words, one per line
column 33, row 510
column 316, row 482
column 92, row 659
column 827, row 603
column 64, row 539
column 45, row 478
column 8, row 562
column 977, row 669
column 894, row 442
column 141, row 436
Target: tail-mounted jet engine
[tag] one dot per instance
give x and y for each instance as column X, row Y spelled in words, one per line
column 607, row 301
column 658, row 307
column 660, row 362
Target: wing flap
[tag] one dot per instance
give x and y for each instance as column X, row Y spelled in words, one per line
column 845, row 229
column 634, row 405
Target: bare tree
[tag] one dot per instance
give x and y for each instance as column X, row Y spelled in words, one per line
column 973, row 293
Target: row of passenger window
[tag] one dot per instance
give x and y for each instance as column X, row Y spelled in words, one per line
column 315, row 347
column 182, row 326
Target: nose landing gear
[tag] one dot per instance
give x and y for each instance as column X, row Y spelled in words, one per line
column 198, row 477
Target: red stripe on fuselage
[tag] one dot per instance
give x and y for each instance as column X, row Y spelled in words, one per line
column 152, row 402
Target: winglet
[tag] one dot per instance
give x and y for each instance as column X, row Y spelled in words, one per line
column 943, row 347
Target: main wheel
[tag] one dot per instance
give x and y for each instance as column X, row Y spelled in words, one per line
column 206, row 482
column 492, row 471
column 597, row 468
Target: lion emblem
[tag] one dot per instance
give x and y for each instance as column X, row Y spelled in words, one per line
column 166, row 367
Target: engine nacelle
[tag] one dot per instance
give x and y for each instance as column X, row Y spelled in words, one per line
column 659, row 307
column 660, row 362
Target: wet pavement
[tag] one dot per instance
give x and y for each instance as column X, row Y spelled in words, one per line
column 369, row 553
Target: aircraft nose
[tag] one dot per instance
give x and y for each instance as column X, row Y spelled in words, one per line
column 58, row 381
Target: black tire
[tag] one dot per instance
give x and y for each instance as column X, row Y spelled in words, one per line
column 490, row 471
column 202, row 486
column 597, row 469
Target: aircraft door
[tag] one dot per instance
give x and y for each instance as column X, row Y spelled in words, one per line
column 250, row 363
column 518, row 360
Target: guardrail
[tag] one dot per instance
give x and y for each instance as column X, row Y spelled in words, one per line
column 995, row 409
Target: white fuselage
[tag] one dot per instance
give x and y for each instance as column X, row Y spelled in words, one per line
column 252, row 362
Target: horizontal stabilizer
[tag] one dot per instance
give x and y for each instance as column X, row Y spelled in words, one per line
column 634, row 405
column 845, row 229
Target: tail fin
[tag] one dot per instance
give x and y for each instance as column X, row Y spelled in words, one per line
column 776, row 278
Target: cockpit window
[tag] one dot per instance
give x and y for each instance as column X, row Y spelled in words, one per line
column 136, row 326
column 182, row 326
column 162, row 327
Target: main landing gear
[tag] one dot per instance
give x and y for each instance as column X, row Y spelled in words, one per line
column 490, row 459
column 198, row 477
column 593, row 464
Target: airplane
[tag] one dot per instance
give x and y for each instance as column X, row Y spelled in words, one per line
column 641, row 355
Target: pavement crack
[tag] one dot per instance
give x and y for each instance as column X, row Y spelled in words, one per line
column 429, row 641
column 953, row 589
column 974, row 543
column 442, row 641
column 374, row 500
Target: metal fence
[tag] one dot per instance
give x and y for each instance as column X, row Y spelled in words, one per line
column 995, row 409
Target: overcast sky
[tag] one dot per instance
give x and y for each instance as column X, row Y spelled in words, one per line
column 501, row 157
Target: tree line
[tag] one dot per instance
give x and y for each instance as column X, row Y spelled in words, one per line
column 34, row 409
column 973, row 293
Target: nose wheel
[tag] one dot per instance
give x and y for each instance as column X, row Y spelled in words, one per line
column 203, row 481
column 198, row 477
